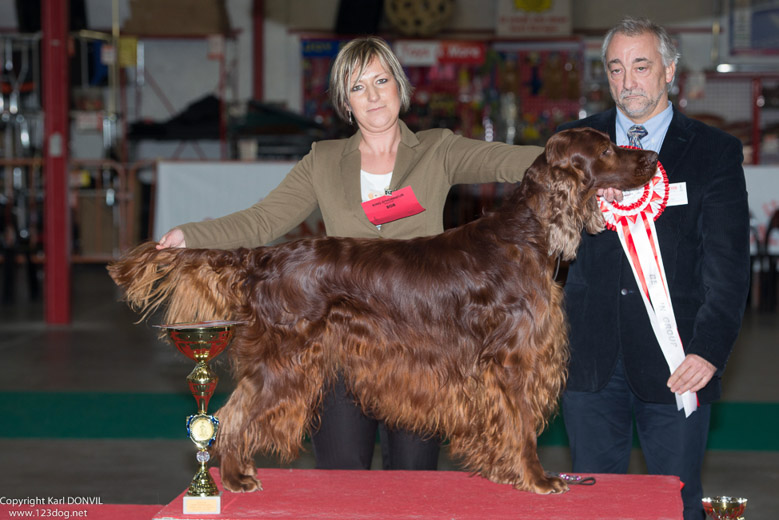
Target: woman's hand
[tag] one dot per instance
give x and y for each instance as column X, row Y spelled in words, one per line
column 173, row 238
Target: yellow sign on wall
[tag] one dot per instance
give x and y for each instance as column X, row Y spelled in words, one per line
column 533, row 18
column 128, row 51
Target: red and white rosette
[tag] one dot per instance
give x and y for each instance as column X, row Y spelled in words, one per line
column 634, row 221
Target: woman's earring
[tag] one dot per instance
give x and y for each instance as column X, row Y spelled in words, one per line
column 350, row 118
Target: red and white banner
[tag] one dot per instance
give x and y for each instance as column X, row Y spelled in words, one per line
column 421, row 53
column 463, row 53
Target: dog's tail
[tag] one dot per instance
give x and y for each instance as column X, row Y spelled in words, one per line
column 185, row 282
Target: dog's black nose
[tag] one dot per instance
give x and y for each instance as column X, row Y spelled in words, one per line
column 648, row 160
column 650, row 157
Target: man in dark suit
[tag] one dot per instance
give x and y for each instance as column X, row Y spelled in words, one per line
column 618, row 370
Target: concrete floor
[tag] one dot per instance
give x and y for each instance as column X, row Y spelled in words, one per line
column 103, row 352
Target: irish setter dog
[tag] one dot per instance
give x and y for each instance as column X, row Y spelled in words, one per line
column 461, row 334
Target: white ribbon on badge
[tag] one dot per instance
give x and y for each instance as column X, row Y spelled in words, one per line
column 634, row 221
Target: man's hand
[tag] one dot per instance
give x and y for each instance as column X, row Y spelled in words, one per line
column 693, row 374
column 610, row 194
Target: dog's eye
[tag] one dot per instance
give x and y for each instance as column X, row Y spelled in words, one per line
column 606, row 151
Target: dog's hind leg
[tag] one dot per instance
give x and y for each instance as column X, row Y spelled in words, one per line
column 234, row 445
column 272, row 404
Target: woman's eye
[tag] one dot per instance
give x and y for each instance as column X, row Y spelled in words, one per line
column 382, row 80
column 356, row 88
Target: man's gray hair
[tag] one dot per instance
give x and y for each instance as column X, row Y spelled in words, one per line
column 630, row 26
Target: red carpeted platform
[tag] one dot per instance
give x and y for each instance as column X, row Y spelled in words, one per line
column 397, row 495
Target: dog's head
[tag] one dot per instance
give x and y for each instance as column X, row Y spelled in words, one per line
column 577, row 163
column 598, row 162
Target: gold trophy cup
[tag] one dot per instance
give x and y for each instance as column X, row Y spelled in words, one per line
column 724, row 508
column 201, row 342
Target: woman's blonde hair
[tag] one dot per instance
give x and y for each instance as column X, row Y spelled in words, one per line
column 349, row 65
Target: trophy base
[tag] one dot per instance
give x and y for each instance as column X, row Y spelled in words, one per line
column 202, row 505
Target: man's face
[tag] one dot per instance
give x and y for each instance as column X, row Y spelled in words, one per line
column 637, row 78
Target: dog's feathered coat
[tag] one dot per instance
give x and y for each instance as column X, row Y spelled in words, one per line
column 461, row 334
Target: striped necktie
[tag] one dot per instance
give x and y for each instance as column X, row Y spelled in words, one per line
column 635, row 134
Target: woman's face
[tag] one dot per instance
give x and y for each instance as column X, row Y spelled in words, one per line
column 374, row 99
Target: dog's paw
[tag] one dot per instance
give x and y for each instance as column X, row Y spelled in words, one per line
column 547, row 485
column 239, row 477
column 241, row 483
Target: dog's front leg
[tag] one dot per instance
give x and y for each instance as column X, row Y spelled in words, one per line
column 533, row 477
column 501, row 442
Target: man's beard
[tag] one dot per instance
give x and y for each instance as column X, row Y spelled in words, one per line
column 645, row 105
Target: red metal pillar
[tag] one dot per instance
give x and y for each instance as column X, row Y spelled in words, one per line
column 258, row 19
column 56, row 227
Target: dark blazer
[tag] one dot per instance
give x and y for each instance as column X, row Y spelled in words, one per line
column 705, row 248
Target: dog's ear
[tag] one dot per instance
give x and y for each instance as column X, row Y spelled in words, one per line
column 563, row 151
column 564, row 213
column 582, row 167
column 555, row 149
column 570, row 181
